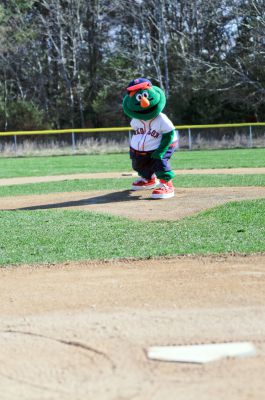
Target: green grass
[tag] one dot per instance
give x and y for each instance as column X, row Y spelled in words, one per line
column 48, row 236
column 80, row 185
column 53, row 236
column 42, row 166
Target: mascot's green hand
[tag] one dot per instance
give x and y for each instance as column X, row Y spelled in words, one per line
column 166, row 141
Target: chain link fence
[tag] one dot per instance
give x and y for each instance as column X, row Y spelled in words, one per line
column 86, row 141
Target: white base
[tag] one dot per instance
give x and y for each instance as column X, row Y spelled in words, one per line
column 201, row 353
column 163, row 196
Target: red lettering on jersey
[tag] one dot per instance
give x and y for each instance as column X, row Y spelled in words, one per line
column 154, row 134
column 139, row 131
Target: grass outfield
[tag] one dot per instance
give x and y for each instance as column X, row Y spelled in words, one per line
column 49, row 236
column 57, row 165
column 81, row 185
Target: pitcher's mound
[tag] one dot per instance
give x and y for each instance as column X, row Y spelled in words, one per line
column 136, row 205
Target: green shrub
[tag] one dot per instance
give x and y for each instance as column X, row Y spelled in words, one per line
column 21, row 115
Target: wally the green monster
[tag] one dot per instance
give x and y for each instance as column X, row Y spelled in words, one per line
column 154, row 138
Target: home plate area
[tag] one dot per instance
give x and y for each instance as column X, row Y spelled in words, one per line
column 84, row 329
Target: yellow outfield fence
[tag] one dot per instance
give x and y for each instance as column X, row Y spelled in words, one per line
column 179, row 128
column 124, row 129
column 58, row 131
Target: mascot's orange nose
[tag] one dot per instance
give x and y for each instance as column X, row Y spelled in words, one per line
column 144, row 102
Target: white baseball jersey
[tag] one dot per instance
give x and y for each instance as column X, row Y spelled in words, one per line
column 147, row 134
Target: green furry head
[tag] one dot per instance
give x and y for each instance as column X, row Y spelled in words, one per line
column 144, row 104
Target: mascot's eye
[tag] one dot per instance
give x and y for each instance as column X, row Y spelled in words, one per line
column 138, row 97
column 145, row 94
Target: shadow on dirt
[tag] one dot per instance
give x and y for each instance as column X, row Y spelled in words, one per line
column 122, row 196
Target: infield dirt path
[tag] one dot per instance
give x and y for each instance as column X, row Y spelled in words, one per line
column 78, row 331
column 54, row 178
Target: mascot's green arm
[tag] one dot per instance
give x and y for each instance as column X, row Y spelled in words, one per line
column 167, row 139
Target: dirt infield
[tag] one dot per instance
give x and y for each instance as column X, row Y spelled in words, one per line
column 81, row 330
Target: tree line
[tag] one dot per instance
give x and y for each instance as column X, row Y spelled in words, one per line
column 66, row 63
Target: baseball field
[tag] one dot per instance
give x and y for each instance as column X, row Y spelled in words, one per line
column 92, row 275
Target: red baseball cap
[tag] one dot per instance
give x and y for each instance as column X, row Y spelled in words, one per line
column 139, row 83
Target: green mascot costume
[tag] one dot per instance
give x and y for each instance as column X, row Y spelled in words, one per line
column 154, row 138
